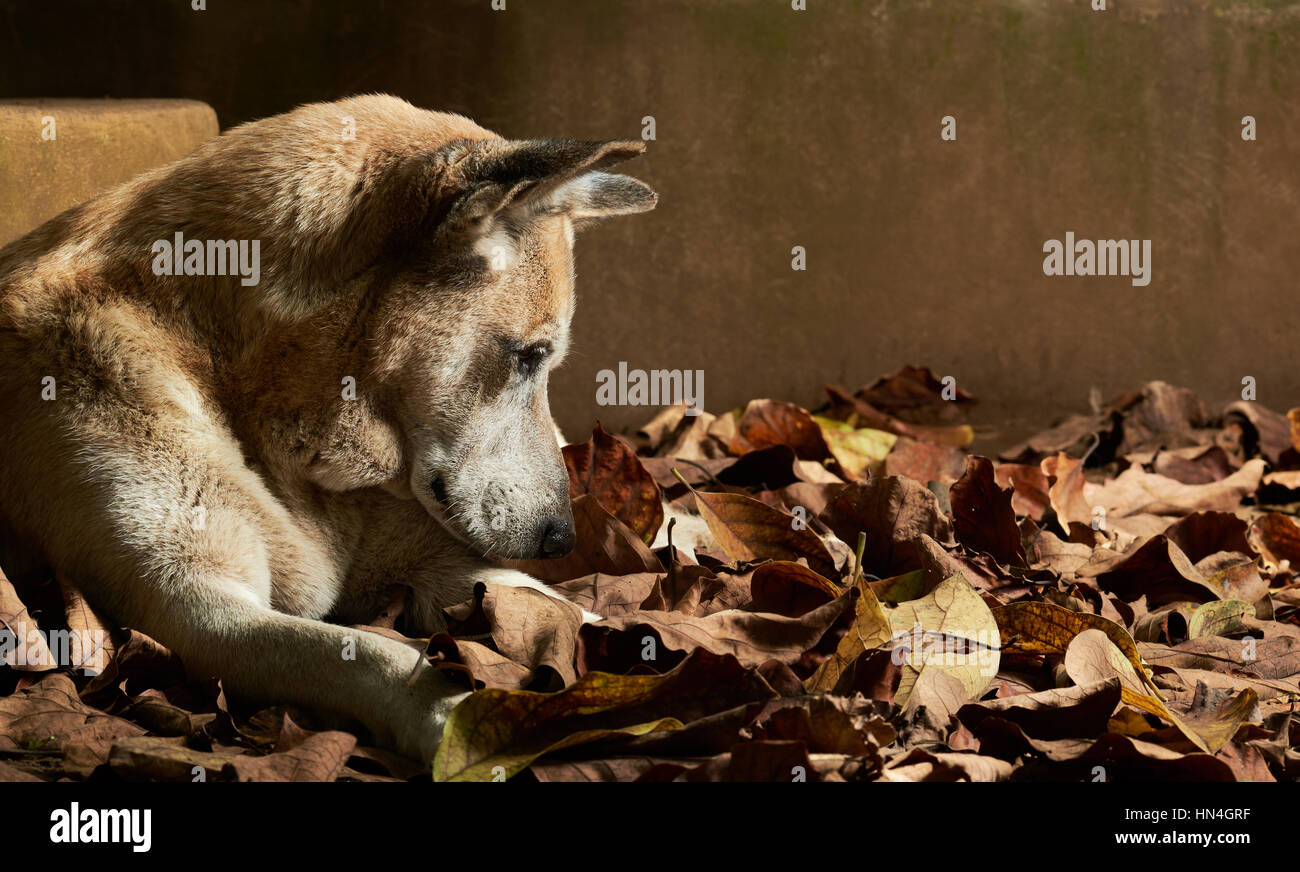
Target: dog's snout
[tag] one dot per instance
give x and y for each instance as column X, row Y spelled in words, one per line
column 558, row 537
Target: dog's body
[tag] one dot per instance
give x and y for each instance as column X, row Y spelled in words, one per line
column 226, row 465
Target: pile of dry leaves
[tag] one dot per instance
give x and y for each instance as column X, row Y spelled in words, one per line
column 848, row 595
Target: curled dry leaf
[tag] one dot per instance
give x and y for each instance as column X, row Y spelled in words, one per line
column 1276, row 538
column 1029, row 485
column 766, row 423
column 923, row 765
column 749, row 530
column 1056, row 713
column 791, row 589
column 1218, row 618
column 1046, row 628
column 1092, row 656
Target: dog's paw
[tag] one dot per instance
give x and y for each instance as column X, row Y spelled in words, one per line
column 433, row 727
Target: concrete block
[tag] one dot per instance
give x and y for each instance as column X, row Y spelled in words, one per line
column 57, row 153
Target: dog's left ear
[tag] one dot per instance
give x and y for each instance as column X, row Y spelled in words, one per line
column 504, row 183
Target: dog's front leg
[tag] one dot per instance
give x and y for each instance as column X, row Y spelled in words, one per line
column 221, row 629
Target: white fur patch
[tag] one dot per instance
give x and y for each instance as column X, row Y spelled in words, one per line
column 499, row 249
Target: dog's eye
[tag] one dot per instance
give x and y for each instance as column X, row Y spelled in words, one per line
column 530, row 358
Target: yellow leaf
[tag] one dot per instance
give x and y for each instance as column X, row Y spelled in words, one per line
column 859, row 452
column 1045, row 628
column 952, row 646
column 870, row 629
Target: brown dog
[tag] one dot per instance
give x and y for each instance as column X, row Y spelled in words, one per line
column 247, row 392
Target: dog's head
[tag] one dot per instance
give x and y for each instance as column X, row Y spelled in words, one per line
column 466, row 310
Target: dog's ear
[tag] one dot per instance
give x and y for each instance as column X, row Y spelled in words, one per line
column 504, row 183
column 594, row 196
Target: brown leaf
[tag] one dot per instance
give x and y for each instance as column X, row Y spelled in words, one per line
column 1074, row 436
column 1029, row 486
column 1057, row 713
column 1271, row 433
column 1137, row 492
column 685, row 437
column 1196, row 465
column 1276, row 538
column 609, row 769
column 1126, row 758
column 765, row 423
column 49, row 714
column 1092, row 656
column 1157, row 569
column 22, row 645
column 748, row 530
column 751, row 637
column 860, row 413
column 90, row 638
column 610, row 595
column 1201, row 534
column 1066, row 492
column 605, row 468
column 895, row 513
column 925, row 462
column 982, row 515
column 527, row 626
column 913, row 394
column 511, row 729
column 321, row 757
column 137, row 658
column 789, row 589
column 687, row 589
column 757, row 762
column 923, row 765
column 148, row 758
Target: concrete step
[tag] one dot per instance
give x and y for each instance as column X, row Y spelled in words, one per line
column 56, row 153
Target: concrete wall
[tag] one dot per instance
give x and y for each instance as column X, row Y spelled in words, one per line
column 821, row 128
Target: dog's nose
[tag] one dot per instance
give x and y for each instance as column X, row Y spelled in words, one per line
column 558, row 537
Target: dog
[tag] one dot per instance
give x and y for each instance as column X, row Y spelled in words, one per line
column 239, row 461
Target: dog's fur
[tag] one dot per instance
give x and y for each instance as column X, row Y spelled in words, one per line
column 199, row 470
